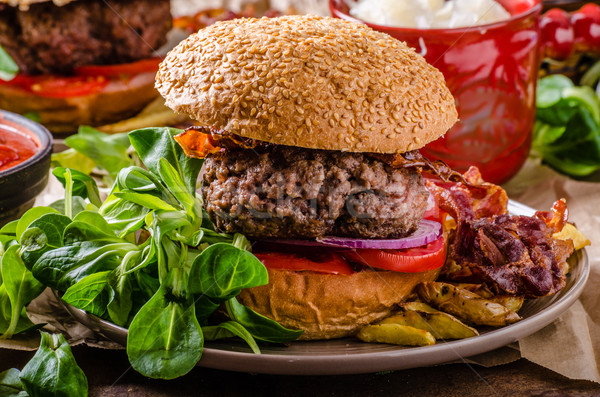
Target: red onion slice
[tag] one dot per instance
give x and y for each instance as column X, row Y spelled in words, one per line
column 427, row 232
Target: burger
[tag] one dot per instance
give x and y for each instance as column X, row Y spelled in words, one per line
column 87, row 62
column 306, row 125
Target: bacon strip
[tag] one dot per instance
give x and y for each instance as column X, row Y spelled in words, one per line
column 514, row 255
column 471, row 200
column 414, row 159
column 556, row 219
column 199, row 142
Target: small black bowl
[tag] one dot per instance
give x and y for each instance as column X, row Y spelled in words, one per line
column 19, row 185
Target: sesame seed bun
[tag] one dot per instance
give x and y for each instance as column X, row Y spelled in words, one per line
column 308, row 81
column 328, row 306
column 24, row 4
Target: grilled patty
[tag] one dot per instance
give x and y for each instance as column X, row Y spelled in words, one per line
column 51, row 39
column 288, row 192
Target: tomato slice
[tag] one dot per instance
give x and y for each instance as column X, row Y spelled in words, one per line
column 411, row 260
column 85, row 81
column 57, row 86
column 124, row 69
column 330, row 263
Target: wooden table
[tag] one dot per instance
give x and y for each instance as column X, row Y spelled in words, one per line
column 109, row 374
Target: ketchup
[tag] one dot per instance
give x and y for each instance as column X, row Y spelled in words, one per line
column 15, row 146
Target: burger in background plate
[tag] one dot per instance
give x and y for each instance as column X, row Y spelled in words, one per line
column 310, row 128
column 87, row 62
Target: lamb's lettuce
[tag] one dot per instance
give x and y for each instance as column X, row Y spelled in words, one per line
column 144, row 258
column 567, row 127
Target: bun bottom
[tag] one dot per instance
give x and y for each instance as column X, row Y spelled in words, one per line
column 117, row 101
column 330, row 306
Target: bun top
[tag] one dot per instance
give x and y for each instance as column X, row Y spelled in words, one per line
column 308, row 81
column 24, row 4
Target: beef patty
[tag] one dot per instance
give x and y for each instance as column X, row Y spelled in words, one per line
column 51, row 39
column 289, row 192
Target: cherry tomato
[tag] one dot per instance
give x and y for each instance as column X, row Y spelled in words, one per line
column 330, row 263
column 412, row 260
column 125, row 69
column 586, row 28
column 557, row 33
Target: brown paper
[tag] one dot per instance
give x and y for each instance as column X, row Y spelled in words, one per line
column 570, row 345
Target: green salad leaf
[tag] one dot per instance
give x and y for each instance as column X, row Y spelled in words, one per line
column 91, row 148
column 10, row 384
column 53, row 370
column 567, row 128
column 90, row 293
column 154, row 144
column 165, row 339
column 221, row 271
column 8, row 67
column 21, row 288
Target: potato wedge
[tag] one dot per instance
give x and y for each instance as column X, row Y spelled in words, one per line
column 441, row 325
column 480, row 289
column 513, row 303
column 418, row 306
column 570, row 232
column 396, row 334
column 466, row 305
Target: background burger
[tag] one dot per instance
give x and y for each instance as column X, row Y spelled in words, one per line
column 81, row 62
column 307, row 125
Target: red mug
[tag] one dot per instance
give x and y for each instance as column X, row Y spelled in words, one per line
column 492, row 72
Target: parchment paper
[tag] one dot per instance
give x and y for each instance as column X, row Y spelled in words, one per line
column 570, row 345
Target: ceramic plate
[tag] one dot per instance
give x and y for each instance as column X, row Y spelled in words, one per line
column 350, row 356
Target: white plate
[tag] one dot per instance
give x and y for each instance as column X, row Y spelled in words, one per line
column 350, row 356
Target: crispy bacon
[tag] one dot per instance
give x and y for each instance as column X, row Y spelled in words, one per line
column 414, row 159
column 474, row 199
column 198, row 142
column 514, row 255
column 557, row 218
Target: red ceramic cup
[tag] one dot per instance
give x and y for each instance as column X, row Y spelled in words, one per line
column 492, row 72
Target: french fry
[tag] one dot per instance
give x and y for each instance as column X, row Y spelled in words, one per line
column 466, row 305
column 441, row 325
column 396, row 334
column 154, row 114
